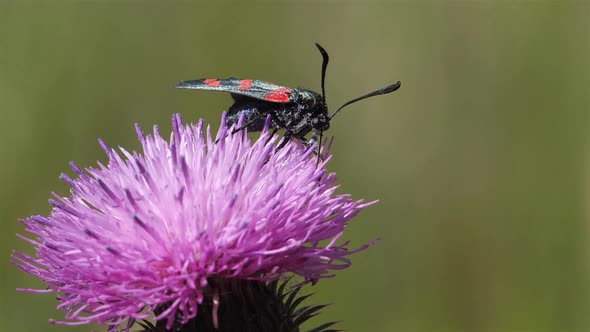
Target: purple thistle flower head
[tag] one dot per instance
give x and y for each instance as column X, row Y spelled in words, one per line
column 146, row 233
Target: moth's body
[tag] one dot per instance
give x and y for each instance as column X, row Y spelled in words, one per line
column 297, row 111
column 305, row 113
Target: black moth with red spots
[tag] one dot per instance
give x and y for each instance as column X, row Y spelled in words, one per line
column 297, row 111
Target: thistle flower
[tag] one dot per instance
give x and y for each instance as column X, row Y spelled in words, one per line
column 150, row 234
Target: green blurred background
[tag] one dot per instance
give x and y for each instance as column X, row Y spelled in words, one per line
column 480, row 160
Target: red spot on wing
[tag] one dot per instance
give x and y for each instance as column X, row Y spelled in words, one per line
column 246, row 84
column 213, row 82
column 280, row 95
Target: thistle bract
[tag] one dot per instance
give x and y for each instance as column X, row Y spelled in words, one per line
column 148, row 231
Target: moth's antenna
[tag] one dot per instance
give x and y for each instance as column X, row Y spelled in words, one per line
column 320, row 147
column 325, row 59
column 382, row 91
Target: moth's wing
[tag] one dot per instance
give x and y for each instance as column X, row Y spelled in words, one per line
column 250, row 88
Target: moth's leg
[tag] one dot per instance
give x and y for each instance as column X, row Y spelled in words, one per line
column 250, row 122
column 274, row 131
column 282, row 125
column 308, row 145
column 286, row 139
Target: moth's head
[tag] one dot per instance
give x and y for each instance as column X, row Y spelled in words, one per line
column 320, row 122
